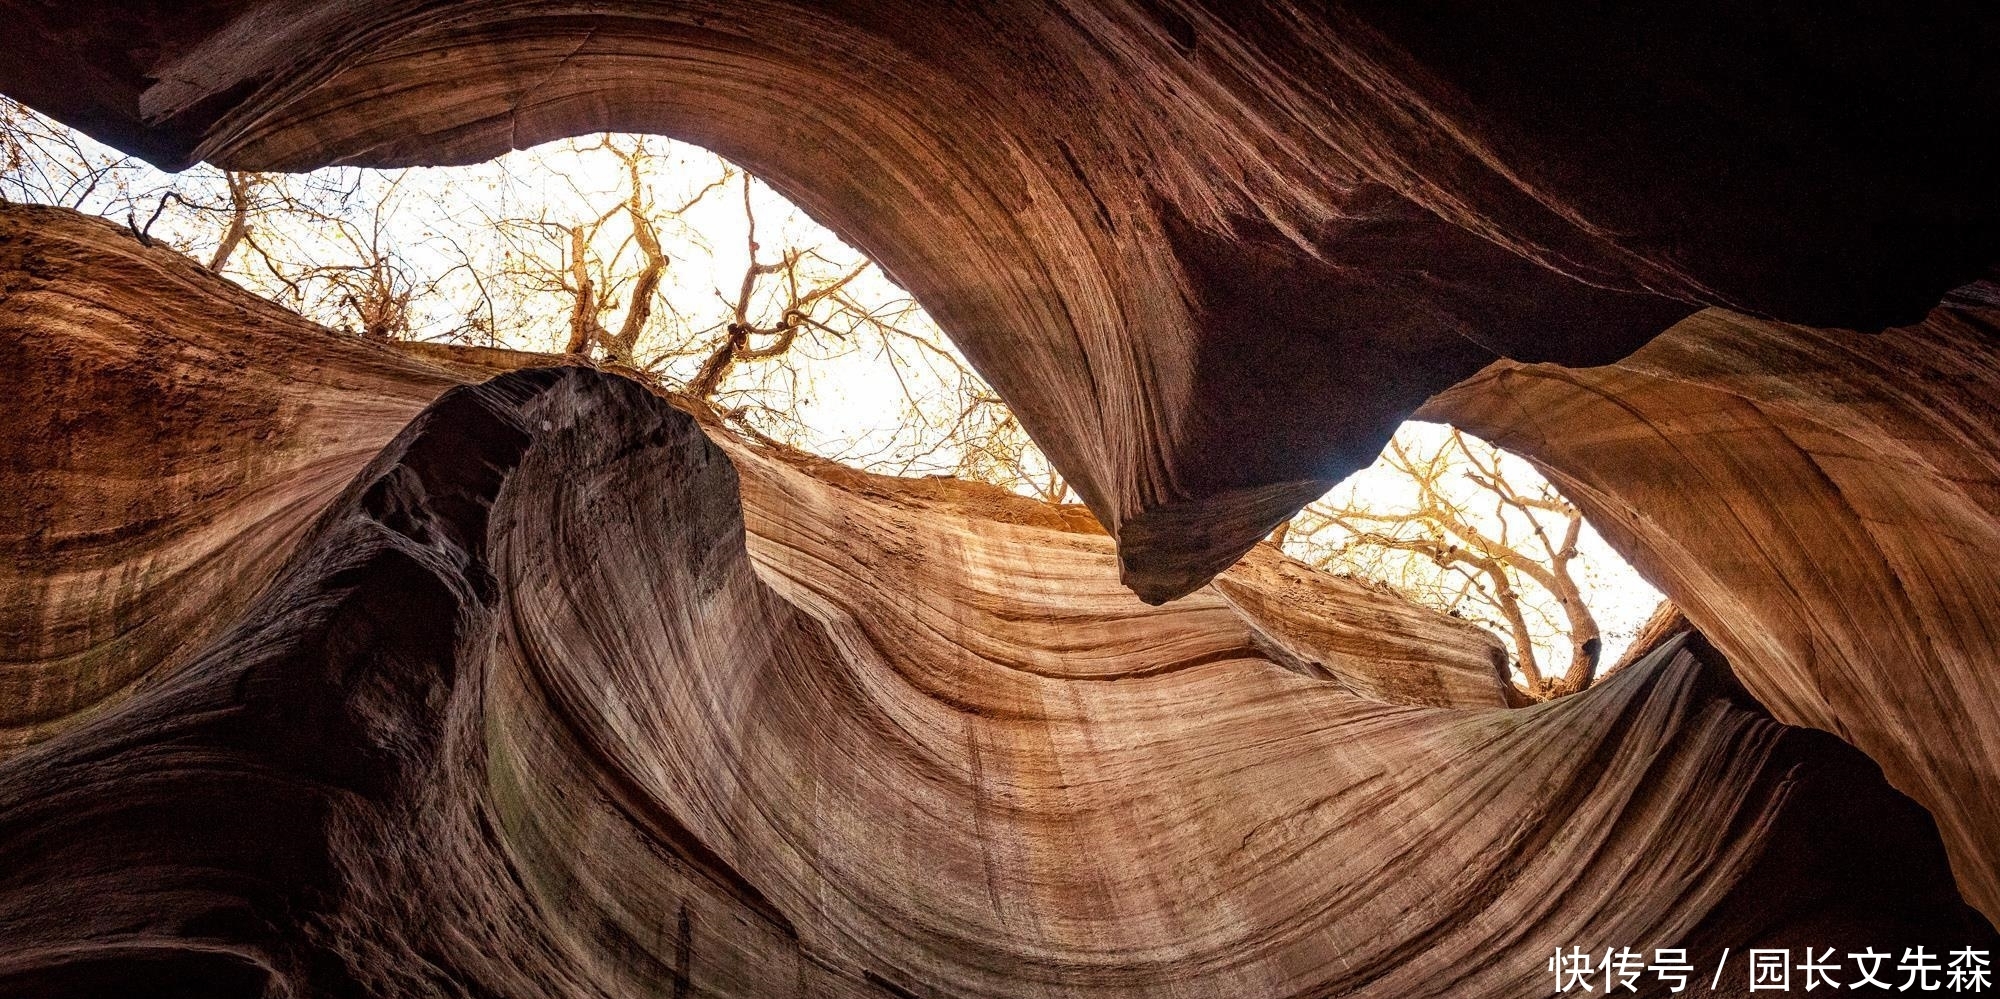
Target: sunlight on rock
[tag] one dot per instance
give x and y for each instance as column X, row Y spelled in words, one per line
column 1457, row 524
column 645, row 253
column 662, row 259
column 422, row 572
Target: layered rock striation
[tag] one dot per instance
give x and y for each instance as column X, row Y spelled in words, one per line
column 1211, row 254
column 331, row 668
column 1825, row 506
column 548, row 691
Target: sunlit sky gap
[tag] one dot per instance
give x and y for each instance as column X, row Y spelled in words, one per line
column 876, row 402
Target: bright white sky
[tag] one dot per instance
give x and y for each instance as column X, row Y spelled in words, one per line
column 856, row 406
column 1617, row 595
column 849, row 396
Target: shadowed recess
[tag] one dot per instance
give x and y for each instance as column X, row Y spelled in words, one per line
column 1210, row 255
column 342, row 668
column 561, row 693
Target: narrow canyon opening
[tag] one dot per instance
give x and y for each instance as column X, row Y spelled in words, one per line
column 663, row 261
column 511, row 617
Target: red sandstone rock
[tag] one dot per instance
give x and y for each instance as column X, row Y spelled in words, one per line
column 1826, row 507
column 1210, row 254
column 529, row 702
column 325, row 673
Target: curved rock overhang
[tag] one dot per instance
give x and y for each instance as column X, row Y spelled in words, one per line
column 1825, row 506
column 1210, row 254
column 359, row 673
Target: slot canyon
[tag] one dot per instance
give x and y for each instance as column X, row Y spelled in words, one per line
column 334, row 666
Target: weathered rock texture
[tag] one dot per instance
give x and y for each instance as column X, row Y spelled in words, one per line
column 333, row 670
column 1210, row 254
column 1826, row 507
column 347, row 678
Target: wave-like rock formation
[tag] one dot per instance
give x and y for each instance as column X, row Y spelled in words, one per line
column 336, row 669
column 342, row 671
column 1210, row 253
column 1826, row 507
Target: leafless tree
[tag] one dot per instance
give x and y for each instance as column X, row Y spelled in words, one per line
column 1474, row 544
column 44, row 163
column 241, row 197
column 539, row 252
column 793, row 315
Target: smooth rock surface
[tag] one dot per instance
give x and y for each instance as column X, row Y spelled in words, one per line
column 1211, row 254
column 1825, row 506
column 548, row 692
